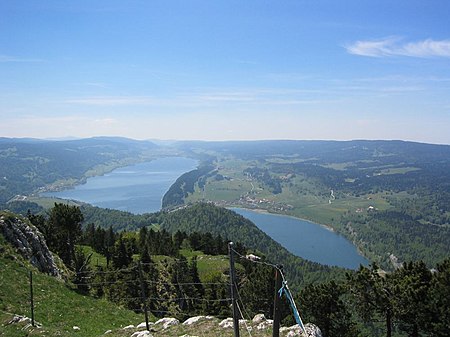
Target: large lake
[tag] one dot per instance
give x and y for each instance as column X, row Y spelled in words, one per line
column 137, row 189
column 140, row 188
column 306, row 239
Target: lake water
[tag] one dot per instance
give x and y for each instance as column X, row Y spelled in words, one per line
column 137, row 189
column 306, row 239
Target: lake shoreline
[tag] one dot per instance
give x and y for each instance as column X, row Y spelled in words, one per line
column 265, row 211
column 113, row 187
column 306, row 239
column 71, row 183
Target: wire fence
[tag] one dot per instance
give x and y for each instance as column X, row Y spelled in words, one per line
column 178, row 297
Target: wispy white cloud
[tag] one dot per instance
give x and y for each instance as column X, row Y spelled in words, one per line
column 237, row 96
column 394, row 46
column 106, row 121
column 9, row 58
column 96, row 84
column 113, row 100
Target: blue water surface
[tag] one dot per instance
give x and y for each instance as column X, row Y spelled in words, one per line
column 137, row 189
column 306, row 239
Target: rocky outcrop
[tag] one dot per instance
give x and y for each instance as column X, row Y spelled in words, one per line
column 196, row 319
column 142, row 334
column 295, row 330
column 311, row 330
column 29, row 242
column 167, row 322
column 211, row 326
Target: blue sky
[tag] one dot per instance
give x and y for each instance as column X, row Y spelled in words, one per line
column 218, row 70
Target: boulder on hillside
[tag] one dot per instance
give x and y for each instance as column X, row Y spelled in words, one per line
column 226, row 323
column 167, row 322
column 144, row 325
column 142, row 334
column 196, row 319
column 259, row 318
column 312, row 330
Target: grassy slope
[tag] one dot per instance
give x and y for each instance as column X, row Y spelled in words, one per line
column 208, row 266
column 57, row 307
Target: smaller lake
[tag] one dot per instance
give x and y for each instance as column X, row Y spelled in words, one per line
column 306, row 239
column 137, row 189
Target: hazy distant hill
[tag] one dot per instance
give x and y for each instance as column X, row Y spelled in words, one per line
column 330, row 151
column 27, row 164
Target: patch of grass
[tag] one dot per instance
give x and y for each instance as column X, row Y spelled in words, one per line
column 398, row 170
column 49, row 202
column 57, row 307
column 339, row 166
column 209, row 266
column 96, row 258
column 189, row 253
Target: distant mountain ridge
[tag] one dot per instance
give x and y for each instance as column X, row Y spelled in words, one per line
column 318, row 147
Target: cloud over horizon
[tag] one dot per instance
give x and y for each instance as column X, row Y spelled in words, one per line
column 394, row 46
column 8, row 58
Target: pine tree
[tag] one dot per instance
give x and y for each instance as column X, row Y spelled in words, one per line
column 323, row 305
column 411, row 295
column 150, row 276
column 65, row 222
column 82, row 270
column 439, row 300
column 143, row 232
column 194, row 276
column 372, row 294
column 121, row 256
column 110, row 240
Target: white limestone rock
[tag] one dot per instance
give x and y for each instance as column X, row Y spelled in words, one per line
column 143, row 325
column 312, row 330
column 142, row 334
column 131, row 326
column 295, row 331
column 30, row 243
column 243, row 322
column 19, row 319
column 265, row 325
column 259, row 318
column 167, row 322
column 226, row 323
column 194, row 320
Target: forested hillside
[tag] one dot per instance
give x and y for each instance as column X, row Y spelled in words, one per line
column 207, row 218
column 185, row 273
column 391, row 198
